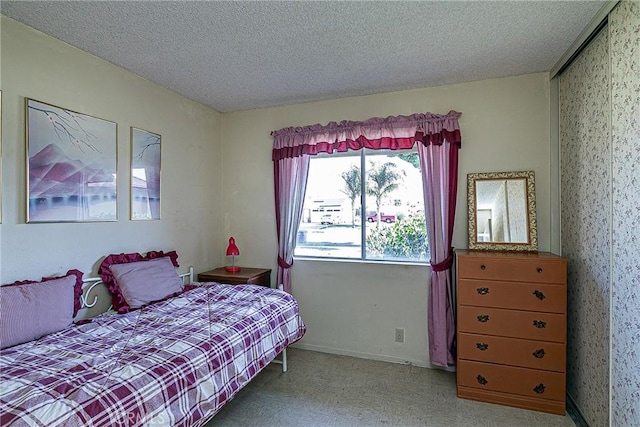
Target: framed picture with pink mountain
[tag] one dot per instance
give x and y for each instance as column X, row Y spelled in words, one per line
column 71, row 165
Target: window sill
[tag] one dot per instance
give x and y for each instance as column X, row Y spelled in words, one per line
column 363, row 261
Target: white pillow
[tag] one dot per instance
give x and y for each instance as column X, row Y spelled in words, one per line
column 143, row 282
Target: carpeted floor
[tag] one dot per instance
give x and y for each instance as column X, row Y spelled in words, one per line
column 327, row 390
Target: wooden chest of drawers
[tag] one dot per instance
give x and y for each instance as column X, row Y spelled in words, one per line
column 511, row 324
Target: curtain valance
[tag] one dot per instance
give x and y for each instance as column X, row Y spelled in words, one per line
column 393, row 133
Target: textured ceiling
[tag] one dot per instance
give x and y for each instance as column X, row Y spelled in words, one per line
column 243, row 55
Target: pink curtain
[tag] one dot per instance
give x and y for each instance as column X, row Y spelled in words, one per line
column 290, row 179
column 293, row 145
column 439, row 163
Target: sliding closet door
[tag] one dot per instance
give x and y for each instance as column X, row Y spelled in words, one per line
column 624, row 25
column 584, row 96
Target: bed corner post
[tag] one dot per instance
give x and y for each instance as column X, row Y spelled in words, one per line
column 283, row 362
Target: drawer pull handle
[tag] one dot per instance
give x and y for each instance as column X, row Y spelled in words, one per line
column 539, row 295
column 539, row 270
column 482, row 346
column 539, row 388
column 483, row 267
column 483, row 318
column 539, row 324
column 483, row 291
column 482, row 380
column 539, row 354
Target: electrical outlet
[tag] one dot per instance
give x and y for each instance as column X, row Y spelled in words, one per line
column 399, row 335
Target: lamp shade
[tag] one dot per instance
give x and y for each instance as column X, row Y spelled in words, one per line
column 232, row 249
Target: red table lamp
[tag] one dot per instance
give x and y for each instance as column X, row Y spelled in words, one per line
column 232, row 251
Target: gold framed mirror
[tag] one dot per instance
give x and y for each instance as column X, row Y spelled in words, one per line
column 502, row 211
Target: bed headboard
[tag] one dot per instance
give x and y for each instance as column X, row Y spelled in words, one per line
column 96, row 298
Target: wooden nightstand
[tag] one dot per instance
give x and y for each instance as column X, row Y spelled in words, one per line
column 256, row 276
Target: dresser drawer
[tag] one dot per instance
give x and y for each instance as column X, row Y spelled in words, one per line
column 508, row 379
column 512, row 323
column 545, row 355
column 515, row 295
column 536, row 270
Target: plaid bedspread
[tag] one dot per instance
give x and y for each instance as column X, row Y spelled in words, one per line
column 174, row 362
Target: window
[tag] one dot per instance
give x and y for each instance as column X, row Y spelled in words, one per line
column 364, row 205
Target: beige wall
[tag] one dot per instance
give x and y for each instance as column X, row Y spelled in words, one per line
column 352, row 307
column 43, row 68
column 217, row 181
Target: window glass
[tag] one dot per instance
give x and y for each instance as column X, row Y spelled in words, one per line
column 364, row 205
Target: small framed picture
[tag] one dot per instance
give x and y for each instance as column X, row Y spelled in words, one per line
column 0, row 156
column 145, row 174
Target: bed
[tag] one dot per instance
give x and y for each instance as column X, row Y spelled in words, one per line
column 171, row 362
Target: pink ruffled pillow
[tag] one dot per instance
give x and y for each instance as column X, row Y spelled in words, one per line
column 144, row 282
column 77, row 287
column 32, row 310
column 117, row 299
